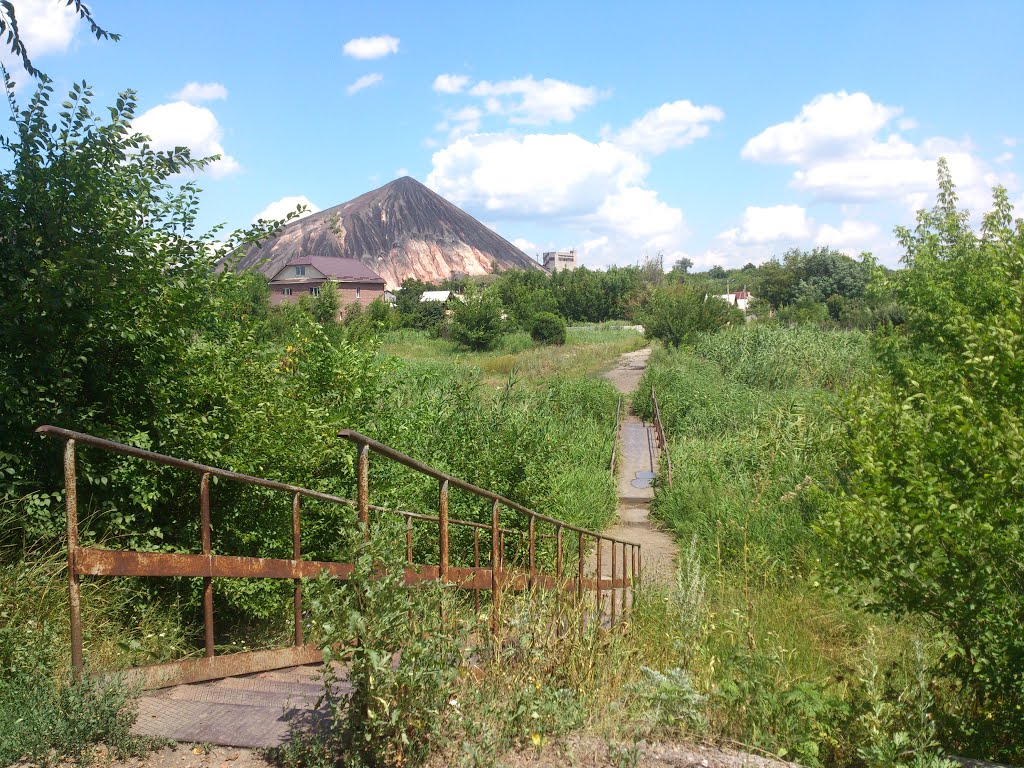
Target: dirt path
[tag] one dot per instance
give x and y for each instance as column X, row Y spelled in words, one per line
column 637, row 465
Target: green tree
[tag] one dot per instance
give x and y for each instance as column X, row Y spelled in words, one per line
column 933, row 517
column 326, row 306
column 476, row 323
column 548, row 329
column 675, row 315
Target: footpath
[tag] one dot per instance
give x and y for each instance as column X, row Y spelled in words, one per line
column 636, row 468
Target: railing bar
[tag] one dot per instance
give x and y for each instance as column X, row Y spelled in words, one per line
column 74, row 580
column 204, row 515
column 297, row 555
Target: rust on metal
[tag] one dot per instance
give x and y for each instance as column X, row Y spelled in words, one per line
column 442, row 530
column 496, row 578
column 495, row 565
column 74, row 582
column 204, row 519
column 215, row 667
column 363, row 486
column 296, row 556
column 611, row 594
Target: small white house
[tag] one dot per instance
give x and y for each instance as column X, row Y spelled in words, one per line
column 441, row 296
column 739, row 299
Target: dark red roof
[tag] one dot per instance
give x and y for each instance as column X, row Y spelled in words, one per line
column 336, row 268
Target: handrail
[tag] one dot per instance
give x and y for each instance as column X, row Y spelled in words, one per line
column 659, row 430
column 91, row 561
column 615, row 436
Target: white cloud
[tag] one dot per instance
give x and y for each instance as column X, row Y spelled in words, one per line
column 400, row 172
column 180, row 124
column 906, row 123
column 773, row 224
column 450, row 83
column 832, row 124
column 671, row 125
column 195, row 92
column 561, row 180
column 848, row 234
column 461, row 122
column 842, row 154
column 281, row 208
column 1005, row 157
column 371, row 47
column 526, row 246
column 45, row 27
column 366, row 81
column 535, row 102
column 1010, row 141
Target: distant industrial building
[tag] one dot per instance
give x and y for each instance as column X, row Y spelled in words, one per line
column 557, row 261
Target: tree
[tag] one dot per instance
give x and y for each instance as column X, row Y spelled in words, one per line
column 676, row 314
column 477, row 323
column 933, row 516
column 9, row 26
column 682, row 265
column 548, row 329
column 326, row 305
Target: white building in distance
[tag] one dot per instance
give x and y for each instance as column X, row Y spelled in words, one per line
column 557, row 261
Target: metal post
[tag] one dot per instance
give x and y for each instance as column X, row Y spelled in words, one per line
column 296, row 556
column 476, row 569
column 204, row 515
column 580, row 569
column 363, row 489
column 598, row 590
column 611, row 592
column 558, row 556
column 74, row 583
column 495, row 565
column 408, row 539
column 532, row 549
column 622, row 594
column 442, row 533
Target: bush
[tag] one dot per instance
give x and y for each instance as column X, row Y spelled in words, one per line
column 477, row 322
column 677, row 314
column 548, row 328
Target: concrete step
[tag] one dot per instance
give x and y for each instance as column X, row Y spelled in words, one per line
column 218, row 694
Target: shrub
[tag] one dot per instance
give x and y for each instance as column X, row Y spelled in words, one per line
column 548, row 328
column 677, row 314
column 477, row 322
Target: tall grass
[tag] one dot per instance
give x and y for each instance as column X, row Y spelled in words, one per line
column 787, row 666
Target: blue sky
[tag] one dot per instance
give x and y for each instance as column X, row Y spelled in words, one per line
column 724, row 132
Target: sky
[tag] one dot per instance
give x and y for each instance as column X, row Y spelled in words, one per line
column 722, row 132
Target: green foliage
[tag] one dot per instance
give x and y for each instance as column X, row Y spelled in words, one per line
column 932, row 520
column 676, row 314
column 326, row 306
column 476, row 322
column 401, row 660
column 548, row 329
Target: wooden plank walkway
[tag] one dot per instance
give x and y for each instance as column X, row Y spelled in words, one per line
column 259, row 710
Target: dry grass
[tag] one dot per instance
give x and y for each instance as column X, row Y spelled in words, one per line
column 586, row 351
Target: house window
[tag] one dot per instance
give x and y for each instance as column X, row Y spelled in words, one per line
column 315, row 290
column 300, row 271
column 358, row 291
column 287, row 291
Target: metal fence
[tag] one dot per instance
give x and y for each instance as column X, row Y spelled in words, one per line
column 659, row 430
column 496, row 576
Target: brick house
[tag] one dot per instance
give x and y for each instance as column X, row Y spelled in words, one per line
column 303, row 276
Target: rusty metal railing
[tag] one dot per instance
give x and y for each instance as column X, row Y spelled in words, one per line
column 495, row 577
column 659, row 430
column 615, row 436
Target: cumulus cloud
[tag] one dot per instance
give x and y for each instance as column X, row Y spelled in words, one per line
column 450, row 83
column 371, row 47
column 281, row 208
column 842, row 154
column 366, row 81
column 561, row 180
column 848, row 234
column 524, row 245
column 674, row 124
column 535, row 102
column 772, row 224
column 832, row 124
column 180, row 124
column 196, row 92
column 45, row 27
